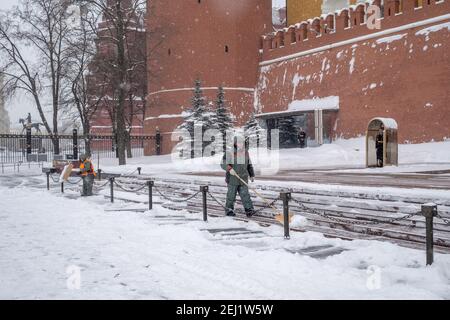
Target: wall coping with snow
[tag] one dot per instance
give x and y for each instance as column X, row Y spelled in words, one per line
column 347, row 26
column 330, row 103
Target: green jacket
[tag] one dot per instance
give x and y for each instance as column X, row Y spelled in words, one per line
column 244, row 170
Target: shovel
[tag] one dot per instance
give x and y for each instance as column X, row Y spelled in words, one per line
column 278, row 216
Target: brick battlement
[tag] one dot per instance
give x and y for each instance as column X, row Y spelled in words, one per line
column 346, row 24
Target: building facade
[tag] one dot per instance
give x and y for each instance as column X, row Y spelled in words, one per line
column 215, row 41
column 302, row 10
column 328, row 75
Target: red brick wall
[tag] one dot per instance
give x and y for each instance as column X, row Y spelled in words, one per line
column 187, row 41
column 407, row 79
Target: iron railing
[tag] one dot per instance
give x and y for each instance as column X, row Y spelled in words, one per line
column 16, row 148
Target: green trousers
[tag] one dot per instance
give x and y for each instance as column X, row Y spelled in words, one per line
column 243, row 193
column 88, row 182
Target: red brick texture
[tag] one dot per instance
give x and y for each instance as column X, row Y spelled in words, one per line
column 216, row 41
column 403, row 75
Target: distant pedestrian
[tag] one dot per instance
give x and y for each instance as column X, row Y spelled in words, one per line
column 379, row 145
column 87, row 173
column 240, row 162
column 302, row 138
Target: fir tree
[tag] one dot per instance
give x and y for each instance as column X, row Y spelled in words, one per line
column 253, row 130
column 198, row 115
column 288, row 131
column 223, row 119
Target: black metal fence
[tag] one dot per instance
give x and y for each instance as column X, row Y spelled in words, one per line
column 15, row 148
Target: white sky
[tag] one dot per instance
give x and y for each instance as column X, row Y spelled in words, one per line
column 278, row 3
column 19, row 106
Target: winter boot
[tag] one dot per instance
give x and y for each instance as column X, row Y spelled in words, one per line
column 230, row 213
column 249, row 213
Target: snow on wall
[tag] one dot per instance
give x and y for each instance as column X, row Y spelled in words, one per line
column 426, row 31
column 389, row 123
column 168, row 116
column 326, row 103
column 391, row 38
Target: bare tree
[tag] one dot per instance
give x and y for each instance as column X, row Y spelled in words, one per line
column 85, row 91
column 41, row 25
column 120, row 17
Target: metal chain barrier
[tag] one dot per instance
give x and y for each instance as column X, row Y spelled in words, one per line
column 54, row 180
column 268, row 205
column 323, row 214
column 78, row 182
column 129, row 174
column 176, row 200
column 102, row 185
column 129, row 190
column 446, row 221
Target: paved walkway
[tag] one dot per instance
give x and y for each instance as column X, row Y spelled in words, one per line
column 438, row 180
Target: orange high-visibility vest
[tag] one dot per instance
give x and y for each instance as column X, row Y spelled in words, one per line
column 86, row 173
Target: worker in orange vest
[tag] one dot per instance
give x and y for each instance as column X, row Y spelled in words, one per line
column 88, row 174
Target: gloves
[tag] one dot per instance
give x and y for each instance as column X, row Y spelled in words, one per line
column 232, row 172
column 252, row 179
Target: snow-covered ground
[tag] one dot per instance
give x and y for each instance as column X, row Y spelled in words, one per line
column 341, row 155
column 46, row 238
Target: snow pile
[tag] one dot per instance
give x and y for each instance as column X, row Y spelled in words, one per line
column 298, row 222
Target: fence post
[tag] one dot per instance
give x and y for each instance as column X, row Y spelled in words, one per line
column 204, row 190
column 48, row 180
column 150, row 185
column 75, row 143
column 139, row 170
column 111, row 185
column 286, row 196
column 99, row 174
column 62, row 187
column 28, row 141
column 429, row 211
column 158, row 142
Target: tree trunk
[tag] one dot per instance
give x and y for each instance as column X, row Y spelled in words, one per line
column 121, row 62
column 87, row 137
column 55, row 131
column 129, row 149
column 54, row 138
column 121, row 131
column 87, row 144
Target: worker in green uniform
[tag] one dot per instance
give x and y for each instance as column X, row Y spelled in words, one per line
column 239, row 161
